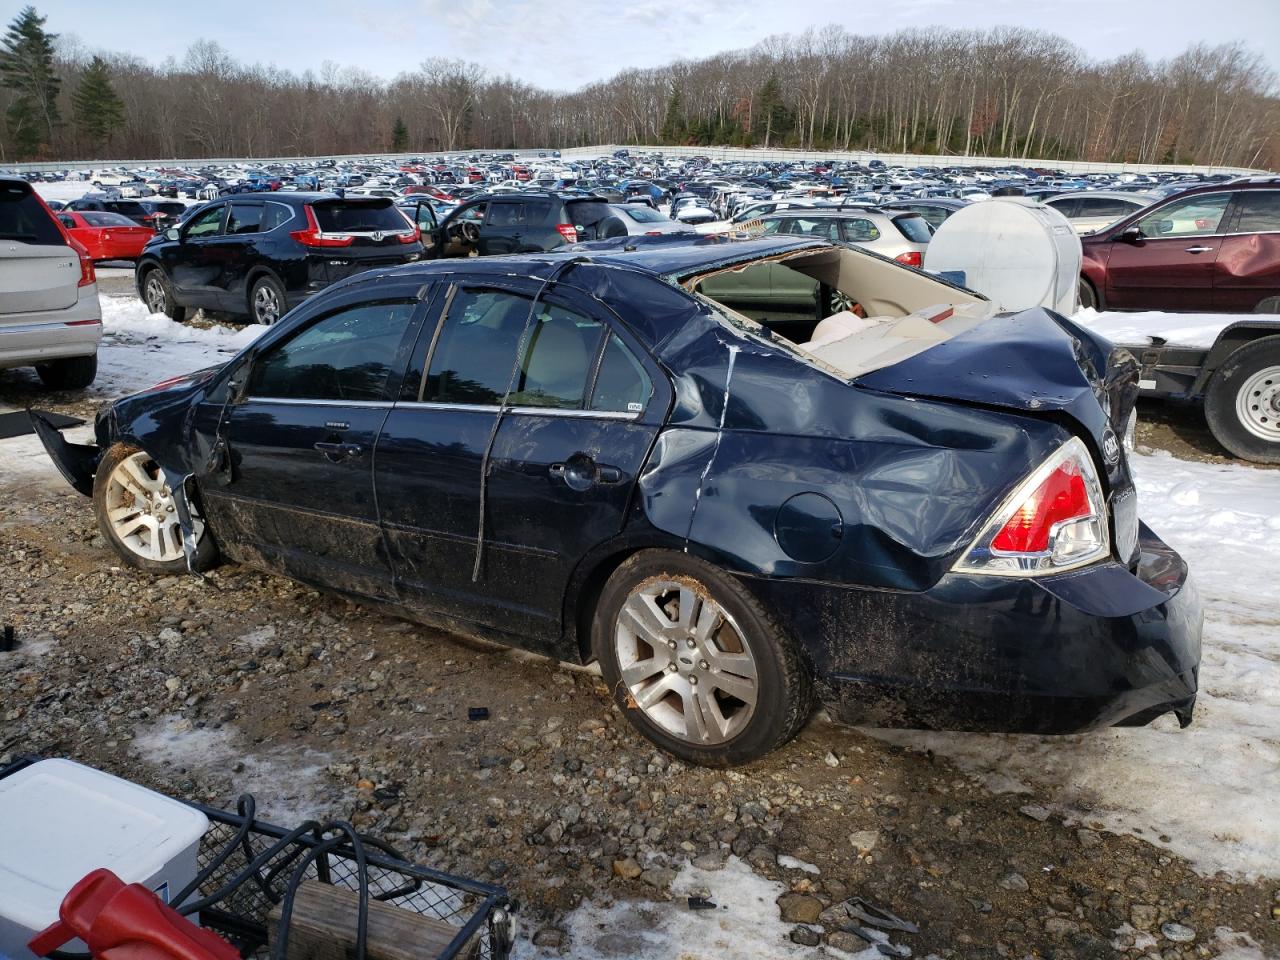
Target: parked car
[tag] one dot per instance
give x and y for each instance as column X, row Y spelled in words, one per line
column 107, row 236
column 924, row 519
column 519, row 223
column 50, row 318
column 898, row 236
column 632, row 219
column 935, row 210
column 1213, row 248
column 163, row 214
column 260, row 256
column 1094, row 209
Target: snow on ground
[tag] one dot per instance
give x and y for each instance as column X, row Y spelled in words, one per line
column 286, row 781
column 1179, row 329
column 140, row 349
column 744, row 925
column 1208, row 792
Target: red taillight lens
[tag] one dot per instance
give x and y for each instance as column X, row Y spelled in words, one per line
column 911, row 258
column 1062, row 496
column 87, row 273
column 313, row 236
column 568, row 231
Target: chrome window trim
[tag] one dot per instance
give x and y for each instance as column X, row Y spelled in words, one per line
column 299, row 402
column 525, row 411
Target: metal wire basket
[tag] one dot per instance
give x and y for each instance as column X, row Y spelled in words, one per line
column 481, row 913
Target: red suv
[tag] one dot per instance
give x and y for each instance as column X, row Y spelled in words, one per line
column 1213, row 248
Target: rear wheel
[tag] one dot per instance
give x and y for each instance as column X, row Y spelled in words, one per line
column 1088, row 295
column 72, row 373
column 266, row 300
column 157, row 294
column 138, row 517
column 1242, row 404
column 1269, row 305
column 696, row 662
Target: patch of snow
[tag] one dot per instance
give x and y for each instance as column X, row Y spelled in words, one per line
column 1179, row 329
column 140, row 348
column 1236, row 946
column 792, row 863
column 745, row 926
column 1210, row 789
column 286, row 783
column 257, row 638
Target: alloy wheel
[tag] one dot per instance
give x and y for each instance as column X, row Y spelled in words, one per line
column 154, row 293
column 266, row 304
column 1258, row 404
column 141, row 510
column 684, row 661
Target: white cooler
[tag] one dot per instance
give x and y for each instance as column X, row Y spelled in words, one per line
column 60, row 820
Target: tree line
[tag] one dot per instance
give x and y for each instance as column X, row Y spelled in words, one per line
column 1004, row 92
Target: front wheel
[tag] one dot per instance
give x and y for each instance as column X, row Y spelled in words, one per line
column 696, row 663
column 1088, row 296
column 137, row 515
column 157, row 294
column 1242, row 404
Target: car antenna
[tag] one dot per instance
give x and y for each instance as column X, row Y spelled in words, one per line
column 561, row 268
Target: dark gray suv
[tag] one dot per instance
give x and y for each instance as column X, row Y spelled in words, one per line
column 495, row 224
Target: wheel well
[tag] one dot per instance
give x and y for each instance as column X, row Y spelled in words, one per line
column 1097, row 297
column 581, row 602
column 141, row 271
column 1229, row 342
column 256, row 274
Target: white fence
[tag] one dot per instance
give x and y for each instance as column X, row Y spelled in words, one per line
column 749, row 154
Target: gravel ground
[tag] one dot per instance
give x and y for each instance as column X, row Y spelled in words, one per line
column 204, row 688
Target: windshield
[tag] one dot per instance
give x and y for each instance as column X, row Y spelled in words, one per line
column 643, row 214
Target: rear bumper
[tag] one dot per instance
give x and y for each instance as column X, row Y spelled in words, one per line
column 30, row 338
column 1096, row 648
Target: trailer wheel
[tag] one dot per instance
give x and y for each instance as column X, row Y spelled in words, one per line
column 1242, row 404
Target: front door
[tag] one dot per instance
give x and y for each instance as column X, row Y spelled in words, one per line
column 561, row 469
column 194, row 264
column 1170, row 265
column 301, row 444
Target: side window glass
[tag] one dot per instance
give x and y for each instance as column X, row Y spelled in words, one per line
column 244, row 218
column 860, row 231
column 503, row 215
column 476, row 351
column 274, row 215
column 349, row 355
column 207, row 224
column 774, row 226
column 67, row 222
column 474, row 214
column 1259, row 211
column 623, row 385
column 1197, row 216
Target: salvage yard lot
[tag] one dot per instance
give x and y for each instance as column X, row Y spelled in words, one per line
column 992, row 845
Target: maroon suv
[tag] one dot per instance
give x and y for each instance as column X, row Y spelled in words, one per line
column 1213, row 248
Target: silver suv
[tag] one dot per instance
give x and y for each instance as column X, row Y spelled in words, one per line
column 49, row 313
column 900, row 236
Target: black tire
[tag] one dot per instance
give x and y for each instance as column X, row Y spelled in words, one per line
column 1246, row 370
column 1088, row 295
column 784, row 688
column 71, row 373
column 157, row 294
column 1269, row 305
column 206, row 550
column 267, row 302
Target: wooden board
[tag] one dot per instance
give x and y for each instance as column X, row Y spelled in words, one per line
column 324, row 922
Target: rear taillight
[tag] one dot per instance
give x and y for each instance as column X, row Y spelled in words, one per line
column 911, row 258
column 568, row 231
column 1056, row 520
column 87, row 274
column 313, row 236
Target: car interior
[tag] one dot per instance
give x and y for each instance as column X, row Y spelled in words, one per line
column 869, row 313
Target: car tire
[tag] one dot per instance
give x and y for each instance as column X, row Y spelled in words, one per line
column 71, row 373
column 147, row 538
column 157, row 295
column 266, row 300
column 1269, row 305
column 756, row 691
column 1088, row 295
column 1242, row 403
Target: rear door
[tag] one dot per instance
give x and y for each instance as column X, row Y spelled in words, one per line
column 1248, row 265
column 1171, row 265
column 38, row 270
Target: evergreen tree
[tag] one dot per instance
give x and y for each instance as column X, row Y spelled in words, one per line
column 399, row 137
column 99, row 111
column 673, row 124
column 26, row 67
column 773, row 121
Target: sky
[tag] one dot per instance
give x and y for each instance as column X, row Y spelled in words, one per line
column 565, row 44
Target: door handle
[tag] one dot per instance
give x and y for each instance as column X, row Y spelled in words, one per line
column 580, row 472
column 338, row 452
column 1199, row 249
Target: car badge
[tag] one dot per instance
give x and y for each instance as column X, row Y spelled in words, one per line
column 377, row 236
column 1111, row 447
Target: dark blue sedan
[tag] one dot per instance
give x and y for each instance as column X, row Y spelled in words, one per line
column 889, row 498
